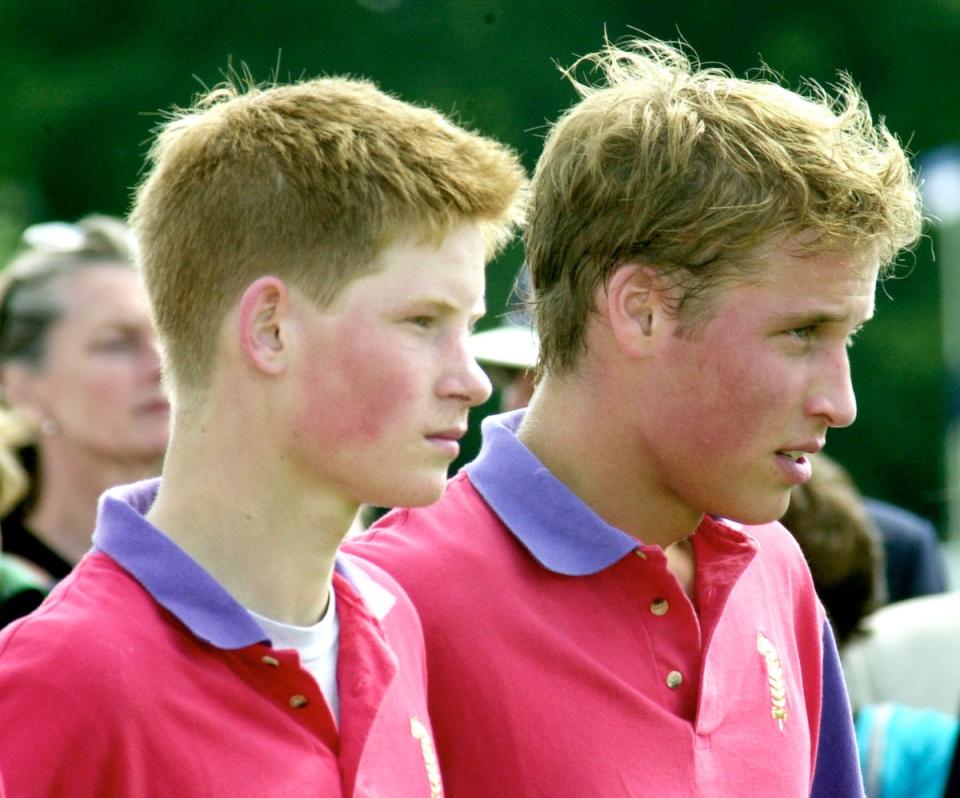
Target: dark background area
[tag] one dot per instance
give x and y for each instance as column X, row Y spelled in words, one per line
column 84, row 82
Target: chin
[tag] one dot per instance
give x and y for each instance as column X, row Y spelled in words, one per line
column 145, row 457
column 411, row 494
column 145, row 444
column 154, row 450
column 754, row 516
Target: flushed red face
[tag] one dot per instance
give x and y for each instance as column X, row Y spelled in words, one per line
column 386, row 393
column 738, row 405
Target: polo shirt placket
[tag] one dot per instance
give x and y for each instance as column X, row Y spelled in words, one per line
column 568, row 538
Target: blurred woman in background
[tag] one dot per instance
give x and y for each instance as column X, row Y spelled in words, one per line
column 80, row 371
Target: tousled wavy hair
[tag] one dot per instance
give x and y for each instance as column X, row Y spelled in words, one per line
column 690, row 170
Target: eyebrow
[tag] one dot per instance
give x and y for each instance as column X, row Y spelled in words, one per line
column 133, row 325
column 816, row 318
column 445, row 306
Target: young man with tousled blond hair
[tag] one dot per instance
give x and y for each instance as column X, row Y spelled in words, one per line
column 314, row 255
column 609, row 606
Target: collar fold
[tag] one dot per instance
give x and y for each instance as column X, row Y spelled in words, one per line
column 174, row 579
column 558, row 529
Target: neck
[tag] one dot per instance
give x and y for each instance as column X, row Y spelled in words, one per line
column 64, row 513
column 582, row 434
column 251, row 521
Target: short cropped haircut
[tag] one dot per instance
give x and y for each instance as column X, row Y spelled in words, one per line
column 689, row 170
column 308, row 182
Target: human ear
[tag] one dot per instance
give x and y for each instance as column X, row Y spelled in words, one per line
column 264, row 308
column 630, row 302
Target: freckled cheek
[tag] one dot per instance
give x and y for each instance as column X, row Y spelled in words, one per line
column 356, row 396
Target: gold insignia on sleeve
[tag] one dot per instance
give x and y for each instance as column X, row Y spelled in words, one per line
column 422, row 735
column 775, row 678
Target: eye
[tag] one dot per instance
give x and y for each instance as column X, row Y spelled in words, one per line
column 423, row 322
column 114, row 344
column 802, row 333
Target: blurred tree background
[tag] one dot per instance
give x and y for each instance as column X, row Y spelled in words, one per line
column 85, row 80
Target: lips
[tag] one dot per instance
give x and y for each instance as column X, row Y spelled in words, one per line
column 794, row 466
column 447, row 441
column 794, row 461
column 796, row 455
column 452, row 434
column 154, row 406
column 799, row 452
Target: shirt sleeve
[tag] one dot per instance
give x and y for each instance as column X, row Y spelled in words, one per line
column 55, row 723
column 837, row 772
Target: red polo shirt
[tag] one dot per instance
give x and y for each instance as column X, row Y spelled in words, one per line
column 566, row 661
column 140, row 676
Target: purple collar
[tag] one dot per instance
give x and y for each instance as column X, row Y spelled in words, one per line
column 174, row 579
column 181, row 585
column 558, row 529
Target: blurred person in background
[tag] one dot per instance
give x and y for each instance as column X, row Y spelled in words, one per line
column 841, row 544
column 914, row 560
column 80, row 371
column 902, row 664
column 909, row 654
column 508, row 352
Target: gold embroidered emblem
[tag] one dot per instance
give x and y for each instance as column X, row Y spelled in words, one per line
column 422, row 735
column 775, row 678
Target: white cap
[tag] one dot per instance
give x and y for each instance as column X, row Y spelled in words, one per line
column 512, row 345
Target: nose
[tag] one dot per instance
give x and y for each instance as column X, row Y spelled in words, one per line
column 151, row 358
column 833, row 399
column 465, row 380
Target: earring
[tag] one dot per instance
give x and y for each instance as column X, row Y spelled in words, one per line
column 49, row 427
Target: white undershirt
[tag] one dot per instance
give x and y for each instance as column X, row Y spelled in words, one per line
column 317, row 646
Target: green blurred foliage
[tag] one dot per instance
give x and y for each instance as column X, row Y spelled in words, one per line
column 85, row 80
